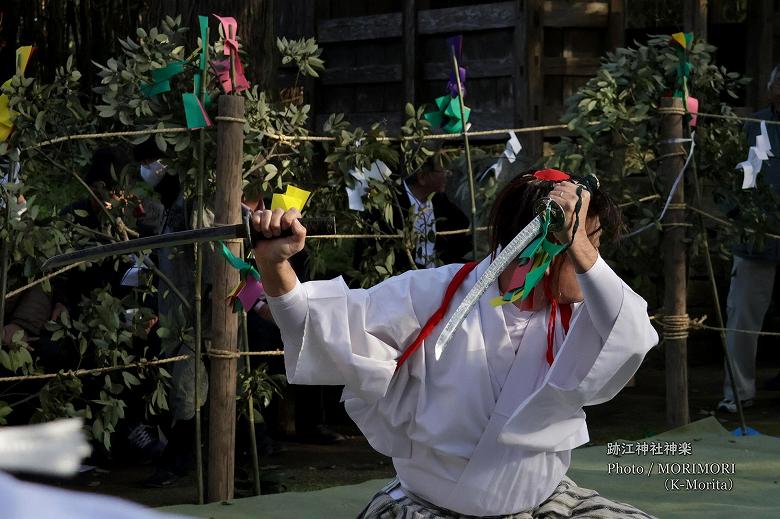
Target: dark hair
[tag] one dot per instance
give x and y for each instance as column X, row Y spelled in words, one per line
column 514, row 209
column 147, row 151
column 103, row 160
column 432, row 163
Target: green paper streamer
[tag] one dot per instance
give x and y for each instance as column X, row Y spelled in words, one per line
column 447, row 115
column 237, row 263
column 435, row 118
column 204, row 26
column 155, row 88
column 684, row 69
column 168, row 71
column 193, row 112
column 541, row 250
column 161, row 79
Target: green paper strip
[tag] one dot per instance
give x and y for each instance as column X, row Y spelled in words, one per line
column 161, row 79
column 454, row 126
column 448, row 116
column 155, row 88
column 453, row 110
column 442, row 102
column 204, row 27
column 168, row 71
column 237, row 263
column 540, row 246
column 435, row 118
column 193, row 112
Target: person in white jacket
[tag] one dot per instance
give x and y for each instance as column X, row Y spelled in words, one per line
column 487, row 429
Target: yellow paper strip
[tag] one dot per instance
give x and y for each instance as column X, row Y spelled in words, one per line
column 293, row 197
column 22, row 58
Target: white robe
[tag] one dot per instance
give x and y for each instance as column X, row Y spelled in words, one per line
column 488, row 428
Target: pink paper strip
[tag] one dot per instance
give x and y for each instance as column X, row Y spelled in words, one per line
column 230, row 28
column 693, row 107
column 222, row 71
column 250, row 293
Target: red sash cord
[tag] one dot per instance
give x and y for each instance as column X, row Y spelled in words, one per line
column 565, row 310
column 460, row 276
column 438, row 315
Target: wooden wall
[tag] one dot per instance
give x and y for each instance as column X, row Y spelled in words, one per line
column 523, row 57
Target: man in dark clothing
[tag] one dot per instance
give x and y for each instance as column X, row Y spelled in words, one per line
column 753, row 272
column 424, row 192
column 433, row 212
column 166, row 212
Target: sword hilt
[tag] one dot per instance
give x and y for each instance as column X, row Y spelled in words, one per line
column 557, row 216
column 315, row 226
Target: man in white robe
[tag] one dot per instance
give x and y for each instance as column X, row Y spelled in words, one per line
column 487, row 429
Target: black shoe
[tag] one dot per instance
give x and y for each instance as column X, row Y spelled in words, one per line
column 773, row 384
column 144, row 443
column 162, row 478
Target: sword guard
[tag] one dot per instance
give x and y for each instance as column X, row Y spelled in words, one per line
column 557, row 217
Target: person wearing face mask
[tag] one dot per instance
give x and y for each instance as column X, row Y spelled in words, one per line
column 164, row 212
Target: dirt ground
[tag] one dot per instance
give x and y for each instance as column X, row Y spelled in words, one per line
column 635, row 413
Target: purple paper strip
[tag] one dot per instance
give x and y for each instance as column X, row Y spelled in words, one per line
column 456, row 43
column 452, row 84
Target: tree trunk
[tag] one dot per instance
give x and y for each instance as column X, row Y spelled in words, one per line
column 675, row 271
column 222, row 386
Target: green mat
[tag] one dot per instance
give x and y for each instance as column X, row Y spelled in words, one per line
column 755, row 492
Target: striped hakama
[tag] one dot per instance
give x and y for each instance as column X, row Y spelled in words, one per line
column 568, row 501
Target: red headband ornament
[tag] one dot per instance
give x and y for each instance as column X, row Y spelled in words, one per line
column 552, row 175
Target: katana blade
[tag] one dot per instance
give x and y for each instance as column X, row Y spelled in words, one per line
column 544, row 208
column 315, row 226
column 502, row 261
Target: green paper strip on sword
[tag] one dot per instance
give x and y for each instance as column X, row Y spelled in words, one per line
column 540, row 252
column 237, row 263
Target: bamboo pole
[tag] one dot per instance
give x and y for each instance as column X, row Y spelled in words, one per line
column 198, row 285
column 248, row 365
column 222, row 389
column 250, row 406
column 469, row 169
column 675, row 269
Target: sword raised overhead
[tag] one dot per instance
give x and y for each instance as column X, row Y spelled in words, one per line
column 315, row 226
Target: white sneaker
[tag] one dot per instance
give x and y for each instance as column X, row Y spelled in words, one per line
column 730, row 406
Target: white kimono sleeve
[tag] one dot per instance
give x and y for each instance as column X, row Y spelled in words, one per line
column 333, row 335
column 608, row 339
